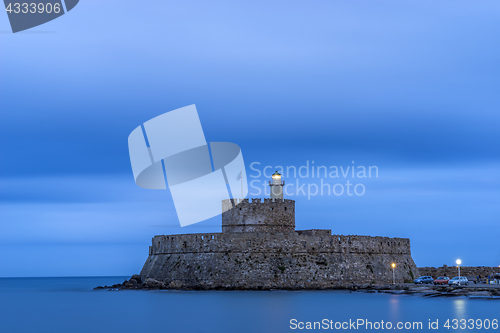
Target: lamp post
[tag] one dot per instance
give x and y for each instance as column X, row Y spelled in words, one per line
column 458, row 265
column 393, row 274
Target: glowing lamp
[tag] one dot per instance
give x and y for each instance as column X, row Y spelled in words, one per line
column 276, row 186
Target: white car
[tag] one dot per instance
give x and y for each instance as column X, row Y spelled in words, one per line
column 459, row 281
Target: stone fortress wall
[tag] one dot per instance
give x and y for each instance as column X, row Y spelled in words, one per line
column 313, row 240
column 306, row 259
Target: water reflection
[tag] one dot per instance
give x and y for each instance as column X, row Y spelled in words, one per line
column 459, row 308
column 395, row 308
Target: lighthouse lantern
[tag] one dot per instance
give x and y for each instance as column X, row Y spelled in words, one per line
column 276, row 186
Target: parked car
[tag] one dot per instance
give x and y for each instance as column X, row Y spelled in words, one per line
column 442, row 280
column 462, row 280
column 423, row 279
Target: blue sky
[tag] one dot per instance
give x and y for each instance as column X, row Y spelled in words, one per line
column 411, row 87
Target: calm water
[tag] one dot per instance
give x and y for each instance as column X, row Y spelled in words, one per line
column 70, row 305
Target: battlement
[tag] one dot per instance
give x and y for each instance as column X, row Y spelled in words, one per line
column 270, row 215
column 228, row 204
column 301, row 241
column 315, row 232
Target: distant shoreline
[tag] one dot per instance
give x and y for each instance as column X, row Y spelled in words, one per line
column 476, row 291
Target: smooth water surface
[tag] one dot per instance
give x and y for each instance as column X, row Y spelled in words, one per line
column 70, row 305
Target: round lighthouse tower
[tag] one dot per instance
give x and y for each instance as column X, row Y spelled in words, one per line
column 276, row 186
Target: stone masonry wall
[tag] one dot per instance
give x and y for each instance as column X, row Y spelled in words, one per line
column 289, row 260
column 258, row 216
column 451, row 271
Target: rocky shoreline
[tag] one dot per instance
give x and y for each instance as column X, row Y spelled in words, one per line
column 437, row 291
column 136, row 283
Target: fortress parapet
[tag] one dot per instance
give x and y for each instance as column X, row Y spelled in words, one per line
column 272, row 215
column 302, row 241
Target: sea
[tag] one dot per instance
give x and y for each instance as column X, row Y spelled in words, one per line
column 70, row 305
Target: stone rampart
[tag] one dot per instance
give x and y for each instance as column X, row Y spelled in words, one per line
column 286, row 260
column 299, row 241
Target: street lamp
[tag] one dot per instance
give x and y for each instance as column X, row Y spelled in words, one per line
column 393, row 274
column 458, row 265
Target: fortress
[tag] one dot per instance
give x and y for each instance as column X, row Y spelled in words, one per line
column 259, row 248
